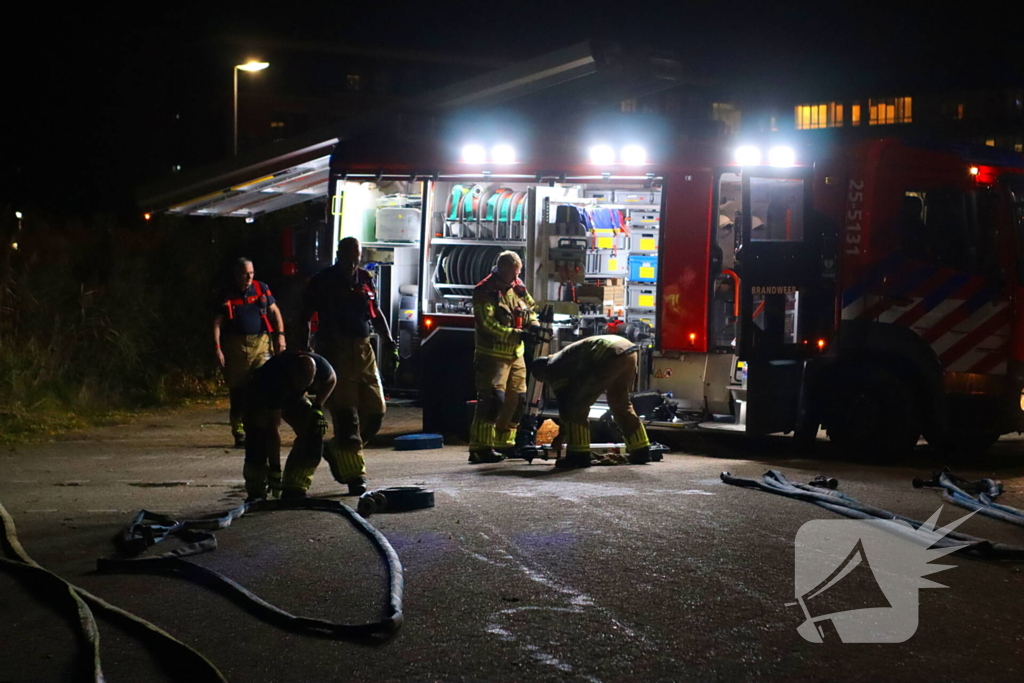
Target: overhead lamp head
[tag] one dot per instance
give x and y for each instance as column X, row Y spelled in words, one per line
column 253, row 66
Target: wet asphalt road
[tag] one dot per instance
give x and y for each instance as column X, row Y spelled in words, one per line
column 655, row 572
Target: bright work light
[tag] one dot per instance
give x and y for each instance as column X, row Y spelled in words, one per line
column 503, row 154
column 253, row 66
column 474, row 154
column 634, row 155
column 748, row 155
column 781, row 156
column 602, row 154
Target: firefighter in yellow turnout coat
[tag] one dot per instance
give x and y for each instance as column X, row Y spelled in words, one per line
column 578, row 375
column 344, row 302
column 503, row 311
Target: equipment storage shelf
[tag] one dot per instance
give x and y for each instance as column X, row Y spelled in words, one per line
column 483, row 243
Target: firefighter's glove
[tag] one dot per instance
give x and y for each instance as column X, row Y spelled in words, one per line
column 540, row 334
column 316, row 423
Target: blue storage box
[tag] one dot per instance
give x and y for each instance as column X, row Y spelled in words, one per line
column 418, row 442
column 643, row 268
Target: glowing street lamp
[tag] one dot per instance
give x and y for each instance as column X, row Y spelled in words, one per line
column 250, row 66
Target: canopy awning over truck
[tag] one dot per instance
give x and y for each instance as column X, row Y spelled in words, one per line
column 297, row 170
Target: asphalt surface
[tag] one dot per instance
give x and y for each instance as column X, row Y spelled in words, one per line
column 654, row 572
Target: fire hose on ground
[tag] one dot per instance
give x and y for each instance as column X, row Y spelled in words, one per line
column 148, row 529
column 775, row 482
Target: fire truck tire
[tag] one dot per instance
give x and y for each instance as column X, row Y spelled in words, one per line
column 875, row 415
column 955, row 447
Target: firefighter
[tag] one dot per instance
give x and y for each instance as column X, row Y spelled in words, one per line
column 503, row 314
column 247, row 325
column 340, row 304
column 274, row 391
column 578, row 375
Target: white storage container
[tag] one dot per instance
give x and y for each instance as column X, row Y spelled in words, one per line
column 638, row 197
column 601, row 238
column 601, row 196
column 641, row 297
column 644, row 242
column 398, row 224
column 644, row 218
column 606, row 263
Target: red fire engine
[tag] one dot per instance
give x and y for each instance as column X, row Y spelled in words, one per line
column 870, row 289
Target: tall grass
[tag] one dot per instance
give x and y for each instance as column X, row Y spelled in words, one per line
column 98, row 317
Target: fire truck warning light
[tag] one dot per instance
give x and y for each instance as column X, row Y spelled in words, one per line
column 474, row 154
column 503, row 154
column 748, row 155
column 602, row 154
column 634, row 155
column 782, row 156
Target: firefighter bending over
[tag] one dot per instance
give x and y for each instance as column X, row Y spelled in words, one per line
column 275, row 391
column 503, row 314
column 340, row 304
column 578, row 375
column 247, row 317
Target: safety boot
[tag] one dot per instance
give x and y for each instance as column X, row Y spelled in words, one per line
column 640, row 456
column 240, row 440
column 485, row 455
column 573, row 460
column 356, row 487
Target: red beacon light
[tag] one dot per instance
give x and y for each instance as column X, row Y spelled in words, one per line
column 693, row 338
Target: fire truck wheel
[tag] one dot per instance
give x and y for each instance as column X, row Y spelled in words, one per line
column 964, row 446
column 875, row 416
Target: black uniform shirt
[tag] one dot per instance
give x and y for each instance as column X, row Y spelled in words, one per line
column 270, row 386
column 242, row 317
column 345, row 305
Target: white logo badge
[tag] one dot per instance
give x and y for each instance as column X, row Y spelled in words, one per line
column 858, row 580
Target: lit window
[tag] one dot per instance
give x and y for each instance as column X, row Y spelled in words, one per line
column 277, row 124
column 959, row 111
column 855, row 114
column 990, row 142
column 811, row 116
column 891, row 110
column 1018, row 147
column 628, row 105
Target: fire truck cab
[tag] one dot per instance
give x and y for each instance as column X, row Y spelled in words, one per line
column 870, row 289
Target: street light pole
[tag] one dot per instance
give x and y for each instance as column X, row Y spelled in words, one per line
column 248, row 66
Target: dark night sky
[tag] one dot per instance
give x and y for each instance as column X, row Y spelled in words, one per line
column 88, row 88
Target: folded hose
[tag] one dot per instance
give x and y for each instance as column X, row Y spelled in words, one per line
column 775, row 482
column 172, row 652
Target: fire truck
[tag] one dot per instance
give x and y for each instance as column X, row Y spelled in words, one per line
column 868, row 288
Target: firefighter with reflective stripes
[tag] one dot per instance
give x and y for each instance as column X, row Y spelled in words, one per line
column 341, row 306
column 274, row 391
column 503, row 314
column 247, row 318
column 578, row 375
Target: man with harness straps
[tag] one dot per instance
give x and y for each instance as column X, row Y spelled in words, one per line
column 340, row 304
column 274, row 391
column 503, row 314
column 578, row 375
column 246, row 319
